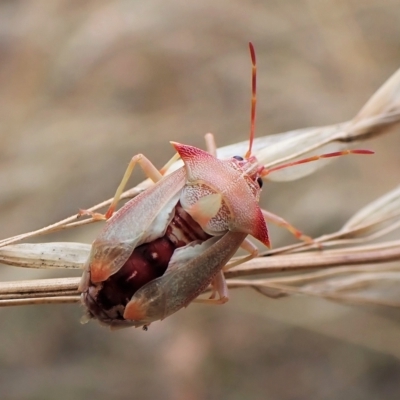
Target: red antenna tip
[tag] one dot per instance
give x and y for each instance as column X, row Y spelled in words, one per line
column 252, row 53
column 363, row 152
column 253, row 98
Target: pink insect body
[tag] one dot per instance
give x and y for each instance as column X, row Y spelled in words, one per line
column 194, row 216
column 163, row 248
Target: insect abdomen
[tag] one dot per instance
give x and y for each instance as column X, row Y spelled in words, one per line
column 106, row 300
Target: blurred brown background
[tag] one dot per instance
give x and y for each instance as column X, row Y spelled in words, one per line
column 84, row 85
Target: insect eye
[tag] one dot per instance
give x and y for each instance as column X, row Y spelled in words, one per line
column 238, row 158
column 260, row 182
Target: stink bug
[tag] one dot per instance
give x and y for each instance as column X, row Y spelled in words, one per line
column 163, row 248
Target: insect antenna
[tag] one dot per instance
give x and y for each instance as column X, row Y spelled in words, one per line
column 253, row 98
column 267, row 171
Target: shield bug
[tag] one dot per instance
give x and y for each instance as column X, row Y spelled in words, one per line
column 163, row 248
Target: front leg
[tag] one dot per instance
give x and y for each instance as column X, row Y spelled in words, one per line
column 270, row 217
column 148, row 168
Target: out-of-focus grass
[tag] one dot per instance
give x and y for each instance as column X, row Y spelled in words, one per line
column 85, row 85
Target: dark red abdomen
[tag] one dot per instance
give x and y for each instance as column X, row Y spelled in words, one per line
column 106, row 301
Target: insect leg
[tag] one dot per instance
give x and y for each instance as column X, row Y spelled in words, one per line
column 249, row 247
column 165, row 168
column 219, row 283
column 270, row 217
column 210, row 144
column 148, row 168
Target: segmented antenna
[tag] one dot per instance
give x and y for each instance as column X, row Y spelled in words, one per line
column 314, row 158
column 253, row 98
column 267, row 171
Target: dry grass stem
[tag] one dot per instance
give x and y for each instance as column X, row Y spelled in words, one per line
column 355, row 271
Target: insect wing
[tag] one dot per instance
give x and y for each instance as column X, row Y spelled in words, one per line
column 176, row 289
column 141, row 220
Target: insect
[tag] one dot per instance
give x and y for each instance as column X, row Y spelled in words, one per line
column 163, row 248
